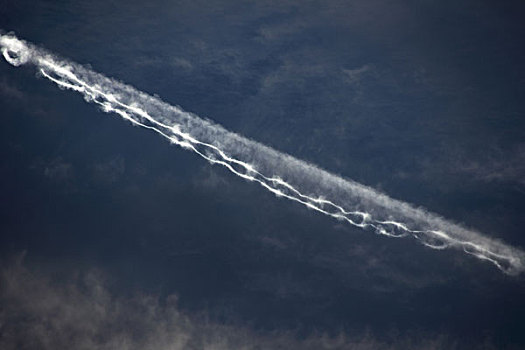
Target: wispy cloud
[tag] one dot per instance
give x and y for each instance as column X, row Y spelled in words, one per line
column 80, row 311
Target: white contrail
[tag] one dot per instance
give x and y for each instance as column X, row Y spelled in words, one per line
column 279, row 173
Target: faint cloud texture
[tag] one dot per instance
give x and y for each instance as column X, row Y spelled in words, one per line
column 80, row 312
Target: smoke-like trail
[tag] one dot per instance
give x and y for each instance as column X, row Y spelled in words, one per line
column 279, row 173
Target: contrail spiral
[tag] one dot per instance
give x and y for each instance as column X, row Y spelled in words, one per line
column 281, row 174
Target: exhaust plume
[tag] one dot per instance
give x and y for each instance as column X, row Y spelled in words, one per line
column 281, row 174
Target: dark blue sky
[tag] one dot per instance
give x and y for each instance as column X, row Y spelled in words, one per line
column 420, row 100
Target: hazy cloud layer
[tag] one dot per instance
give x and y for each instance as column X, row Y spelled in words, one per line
column 79, row 311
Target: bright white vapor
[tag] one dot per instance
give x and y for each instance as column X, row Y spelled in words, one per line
column 281, row 174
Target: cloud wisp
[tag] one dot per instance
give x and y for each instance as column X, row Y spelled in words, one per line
column 80, row 310
column 281, row 174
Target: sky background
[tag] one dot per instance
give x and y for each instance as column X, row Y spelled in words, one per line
column 111, row 238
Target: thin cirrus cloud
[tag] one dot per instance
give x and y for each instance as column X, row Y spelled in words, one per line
column 278, row 173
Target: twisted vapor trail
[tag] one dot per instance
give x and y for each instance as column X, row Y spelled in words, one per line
column 281, row 174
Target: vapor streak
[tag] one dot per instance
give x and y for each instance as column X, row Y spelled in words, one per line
column 278, row 173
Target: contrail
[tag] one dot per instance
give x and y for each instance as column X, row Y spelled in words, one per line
column 281, row 174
